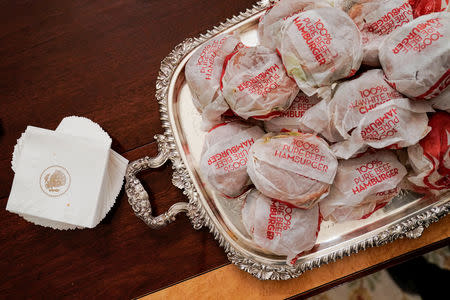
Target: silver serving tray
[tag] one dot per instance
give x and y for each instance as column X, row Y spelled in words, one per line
column 406, row 216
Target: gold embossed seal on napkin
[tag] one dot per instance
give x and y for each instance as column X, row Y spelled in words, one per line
column 68, row 178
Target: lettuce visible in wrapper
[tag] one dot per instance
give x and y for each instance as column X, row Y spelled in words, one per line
column 395, row 124
column 416, row 56
column 203, row 71
column 255, row 84
column 319, row 47
column 351, row 102
column 269, row 27
column 376, row 19
column 430, row 158
column 224, row 157
column 362, row 185
column 293, row 167
column 279, row 227
column 291, row 119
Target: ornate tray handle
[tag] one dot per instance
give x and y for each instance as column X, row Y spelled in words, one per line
column 138, row 197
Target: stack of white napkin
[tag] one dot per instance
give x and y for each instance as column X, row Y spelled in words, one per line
column 68, row 178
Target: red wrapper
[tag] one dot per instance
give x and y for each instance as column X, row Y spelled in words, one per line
column 424, row 7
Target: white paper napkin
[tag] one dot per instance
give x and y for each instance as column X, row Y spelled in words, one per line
column 113, row 175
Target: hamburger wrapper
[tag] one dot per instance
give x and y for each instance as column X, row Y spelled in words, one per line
column 291, row 119
column 341, row 214
column 269, row 27
column 296, row 168
column 376, row 19
column 415, row 57
column 224, row 157
column 203, row 72
column 361, row 184
column 256, row 85
column 442, row 101
column 319, row 47
column 351, row 102
column 397, row 123
column 278, row 227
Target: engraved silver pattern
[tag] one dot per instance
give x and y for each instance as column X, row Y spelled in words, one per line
column 138, row 198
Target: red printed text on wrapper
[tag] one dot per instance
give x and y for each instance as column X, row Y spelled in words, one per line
column 208, row 56
column 232, row 158
column 303, row 153
column 371, row 174
column 280, row 215
column 372, row 97
column 298, row 107
column 420, row 37
column 316, row 37
column 383, row 127
column 264, row 82
column 391, row 20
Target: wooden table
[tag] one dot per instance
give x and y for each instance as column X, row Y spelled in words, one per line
column 100, row 59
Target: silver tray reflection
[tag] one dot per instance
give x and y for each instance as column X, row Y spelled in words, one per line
column 406, row 216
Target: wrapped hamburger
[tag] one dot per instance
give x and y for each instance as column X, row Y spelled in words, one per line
column 319, row 47
column 294, row 167
column 362, row 185
column 256, row 85
column 394, row 124
column 224, row 157
column 416, row 56
column 351, row 102
column 292, row 118
column 376, row 19
column 269, row 27
column 430, row 158
column 203, row 71
column 279, row 227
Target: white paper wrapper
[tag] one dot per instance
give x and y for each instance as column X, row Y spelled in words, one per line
column 225, row 154
column 442, row 102
column 279, row 227
column 319, row 47
column 430, row 158
column 203, row 72
column 269, row 27
column 292, row 118
column 115, row 172
column 376, row 19
column 293, row 167
column 256, row 85
column 396, row 124
column 416, row 56
column 361, row 184
column 351, row 102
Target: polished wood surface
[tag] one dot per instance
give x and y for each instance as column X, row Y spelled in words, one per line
column 100, row 60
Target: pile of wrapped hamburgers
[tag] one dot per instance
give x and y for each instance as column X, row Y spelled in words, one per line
column 339, row 107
